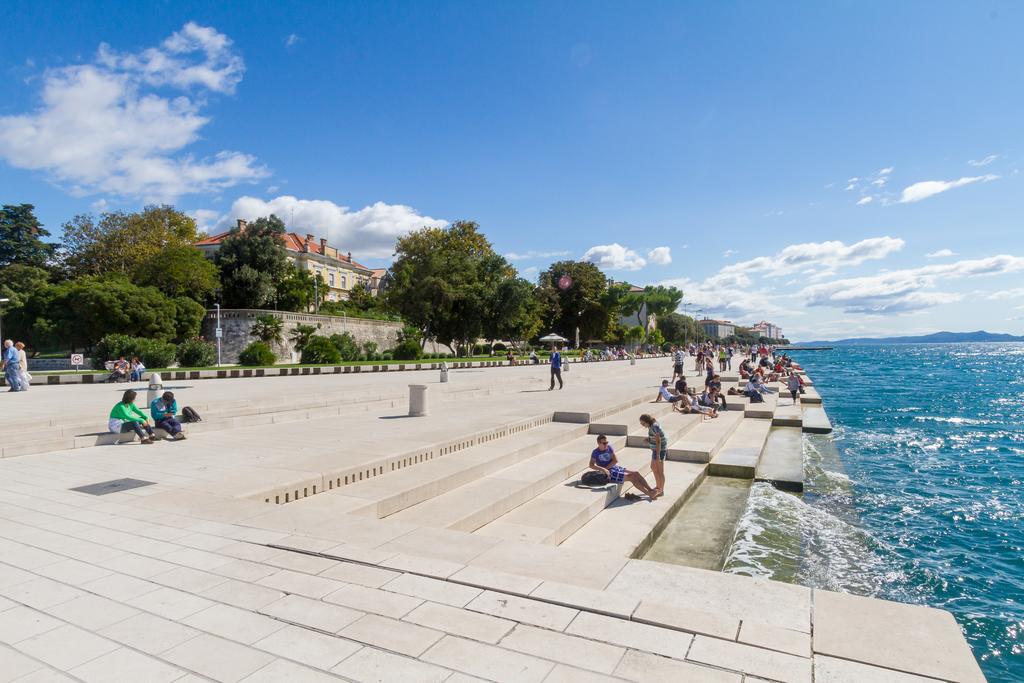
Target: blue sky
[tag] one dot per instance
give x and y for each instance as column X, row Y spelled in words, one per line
column 796, row 162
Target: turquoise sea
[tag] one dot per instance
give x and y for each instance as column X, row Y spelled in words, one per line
column 919, row 494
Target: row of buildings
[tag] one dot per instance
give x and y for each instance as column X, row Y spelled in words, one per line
column 339, row 271
column 724, row 328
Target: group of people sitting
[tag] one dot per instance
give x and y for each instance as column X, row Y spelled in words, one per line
column 123, row 370
column 126, row 417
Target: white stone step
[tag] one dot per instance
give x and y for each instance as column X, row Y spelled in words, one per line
column 815, row 420
column 675, row 425
column 740, row 454
column 627, row 421
column 782, row 462
column 706, row 437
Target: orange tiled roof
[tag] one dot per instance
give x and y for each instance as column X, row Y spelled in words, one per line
column 292, row 242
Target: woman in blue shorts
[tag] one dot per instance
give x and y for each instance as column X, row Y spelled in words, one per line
column 659, row 452
column 603, row 459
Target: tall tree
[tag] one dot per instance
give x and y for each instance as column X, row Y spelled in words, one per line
column 574, row 294
column 118, row 241
column 677, row 327
column 298, row 290
column 513, row 312
column 253, row 262
column 20, row 237
column 179, row 271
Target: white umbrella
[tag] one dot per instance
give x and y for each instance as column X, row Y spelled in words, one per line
column 553, row 338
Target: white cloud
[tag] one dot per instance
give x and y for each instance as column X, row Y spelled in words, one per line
column 529, row 273
column 1002, row 294
column 983, row 162
column 369, row 232
column 729, row 252
column 864, row 200
column 103, row 128
column 906, row 290
column 205, row 219
column 930, row 188
column 614, row 257
column 660, row 256
column 531, row 255
column 726, row 299
column 292, row 40
column 827, row 256
column 941, row 253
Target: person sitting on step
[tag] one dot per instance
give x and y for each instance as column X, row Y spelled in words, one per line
column 126, row 417
column 163, row 409
column 603, row 459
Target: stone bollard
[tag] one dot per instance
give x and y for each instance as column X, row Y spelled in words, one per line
column 632, row 360
column 417, row 400
column 156, row 387
column 444, row 372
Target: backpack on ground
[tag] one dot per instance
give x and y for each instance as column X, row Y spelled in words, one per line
column 189, row 414
column 593, row 478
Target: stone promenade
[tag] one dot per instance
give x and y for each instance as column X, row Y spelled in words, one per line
column 310, row 530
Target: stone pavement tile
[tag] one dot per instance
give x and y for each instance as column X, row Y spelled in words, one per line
column 551, row 563
column 6, row 604
column 309, row 647
column 120, row 587
column 27, row 557
column 138, row 566
column 364, row 575
column 459, row 677
column 149, row 633
column 307, row 543
column 750, row 660
column 388, row 634
column 241, row 594
column 232, row 623
column 775, row 638
column 244, row 570
column 72, row 572
column 641, row 666
column 559, row 647
column 495, row 579
column 92, row 612
column 740, row 597
column 301, row 584
column 41, row 593
column 371, row 665
column 567, row 674
column 300, row 562
column 394, row 605
column 19, row 623
column 428, row 566
column 834, row 670
column 170, row 603
column 206, row 542
column 66, row 647
column 631, row 634
column 216, row 658
column 604, row 602
column 14, row 665
column 685, row 619
column 298, row 609
column 247, row 551
column 487, row 661
column 523, row 610
column 283, row 670
column 12, row 576
column 910, row 638
column 355, row 553
column 189, row 580
column 87, row 551
column 460, row 622
column 198, row 559
column 442, row 544
column 126, row 665
column 146, row 547
column 434, row 590
column 46, row 675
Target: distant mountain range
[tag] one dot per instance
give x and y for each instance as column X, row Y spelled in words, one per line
column 936, row 338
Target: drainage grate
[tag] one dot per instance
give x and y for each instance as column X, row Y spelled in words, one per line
column 105, row 487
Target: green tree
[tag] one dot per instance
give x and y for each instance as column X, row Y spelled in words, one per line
column 117, row 242
column 635, row 334
column 252, row 263
column 297, row 291
column 18, row 282
column 346, row 345
column 653, row 300
column 677, row 327
column 20, row 233
column 179, row 271
column 575, row 294
column 301, row 335
column 513, row 312
column 267, row 328
column 320, row 351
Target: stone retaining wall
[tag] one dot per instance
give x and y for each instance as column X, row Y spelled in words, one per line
column 236, row 324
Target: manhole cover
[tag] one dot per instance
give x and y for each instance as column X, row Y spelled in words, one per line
column 105, row 487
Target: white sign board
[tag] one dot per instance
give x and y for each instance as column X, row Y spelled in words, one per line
column 220, row 332
column 77, row 360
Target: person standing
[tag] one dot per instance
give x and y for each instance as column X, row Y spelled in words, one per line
column 556, row 368
column 11, row 366
column 659, row 452
column 23, row 375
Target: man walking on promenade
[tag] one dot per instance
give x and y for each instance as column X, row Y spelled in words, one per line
column 12, row 366
column 556, row 367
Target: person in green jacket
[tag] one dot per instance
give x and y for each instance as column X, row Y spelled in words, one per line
column 126, row 417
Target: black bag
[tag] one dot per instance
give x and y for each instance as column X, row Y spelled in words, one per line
column 593, row 478
column 189, row 414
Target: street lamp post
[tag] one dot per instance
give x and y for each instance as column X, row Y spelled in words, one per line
column 219, row 332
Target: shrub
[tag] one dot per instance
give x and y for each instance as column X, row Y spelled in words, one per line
column 196, row 353
column 388, row 355
column 370, row 350
column 112, row 346
column 156, row 354
column 346, row 345
column 321, row 351
column 256, row 354
column 499, row 348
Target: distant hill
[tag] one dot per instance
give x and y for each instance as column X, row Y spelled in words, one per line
column 935, row 338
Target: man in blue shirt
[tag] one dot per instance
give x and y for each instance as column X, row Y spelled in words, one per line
column 556, row 367
column 12, row 366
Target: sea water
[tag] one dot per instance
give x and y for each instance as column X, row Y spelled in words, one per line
column 918, row 496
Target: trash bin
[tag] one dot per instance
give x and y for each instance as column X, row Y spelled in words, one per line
column 417, row 400
column 156, row 387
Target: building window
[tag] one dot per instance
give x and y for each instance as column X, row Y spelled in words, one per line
column 331, row 276
column 344, row 284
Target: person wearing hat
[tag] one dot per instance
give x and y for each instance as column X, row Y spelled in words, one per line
column 163, row 409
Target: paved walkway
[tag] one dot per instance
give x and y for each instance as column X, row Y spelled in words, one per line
column 198, row 577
